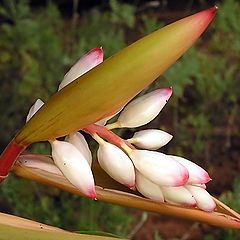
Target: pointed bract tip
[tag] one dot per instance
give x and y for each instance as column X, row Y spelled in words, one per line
column 210, row 11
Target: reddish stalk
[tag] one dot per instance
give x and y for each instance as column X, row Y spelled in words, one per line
column 8, row 158
column 106, row 134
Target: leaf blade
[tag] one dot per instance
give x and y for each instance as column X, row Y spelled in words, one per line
column 13, row 227
column 9, row 232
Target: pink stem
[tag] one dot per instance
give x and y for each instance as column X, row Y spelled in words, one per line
column 106, row 134
column 8, row 158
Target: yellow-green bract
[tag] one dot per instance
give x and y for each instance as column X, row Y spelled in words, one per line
column 110, row 85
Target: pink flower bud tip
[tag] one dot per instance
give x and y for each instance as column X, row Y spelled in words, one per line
column 197, row 175
column 88, row 61
column 92, row 193
column 96, row 54
column 159, row 168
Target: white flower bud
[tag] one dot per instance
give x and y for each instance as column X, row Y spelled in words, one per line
column 34, row 108
column 78, row 140
column 41, row 164
column 83, row 65
column 197, row 175
column 144, row 109
column 148, row 188
column 159, row 168
column 74, row 167
column 203, row 199
column 151, row 139
column 178, row 196
column 116, row 164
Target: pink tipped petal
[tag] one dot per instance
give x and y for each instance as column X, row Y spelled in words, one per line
column 92, row 193
column 144, row 109
column 34, row 108
column 197, row 174
column 88, row 61
column 150, row 139
column 78, row 140
column 74, row 167
column 159, row 168
column 116, row 164
column 203, row 199
column 178, row 196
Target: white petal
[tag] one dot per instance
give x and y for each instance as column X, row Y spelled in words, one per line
column 74, row 167
column 197, row 175
column 151, row 139
column 144, row 109
column 178, row 196
column 83, row 65
column 78, row 140
column 202, row 197
column 202, row 185
column 116, row 164
column 40, row 164
column 34, row 108
column 148, row 188
column 159, row 168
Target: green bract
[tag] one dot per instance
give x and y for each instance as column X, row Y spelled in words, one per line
column 110, row 85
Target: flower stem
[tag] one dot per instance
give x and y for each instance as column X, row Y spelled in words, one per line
column 8, row 158
column 108, row 135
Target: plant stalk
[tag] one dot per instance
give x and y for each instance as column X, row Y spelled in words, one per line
column 8, row 158
column 108, row 135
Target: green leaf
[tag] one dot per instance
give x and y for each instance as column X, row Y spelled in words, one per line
column 12, row 227
column 110, row 85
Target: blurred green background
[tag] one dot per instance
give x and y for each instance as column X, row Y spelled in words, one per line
column 40, row 40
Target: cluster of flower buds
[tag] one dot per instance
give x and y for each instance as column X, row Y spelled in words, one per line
column 132, row 162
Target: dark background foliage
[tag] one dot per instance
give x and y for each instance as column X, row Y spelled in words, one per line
column 40, row 40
